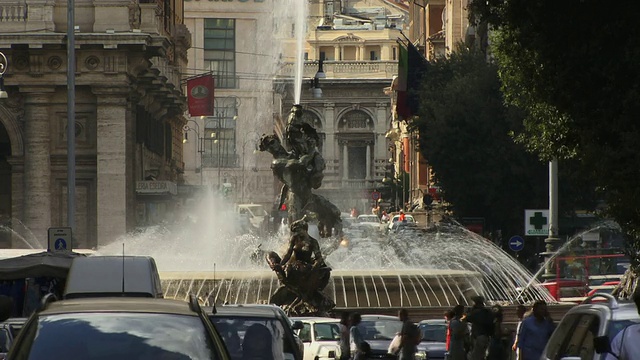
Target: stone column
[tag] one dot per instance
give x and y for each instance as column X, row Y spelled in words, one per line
column 37, row 162
column 345, row 162
column 336, row 52
column 362, row 53
column 368, row 161
column 111, row 163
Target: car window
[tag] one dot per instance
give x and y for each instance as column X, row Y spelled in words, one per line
column 581, row 338
column 326, row 331
column 237, row 332
column 434, row 332
column 4, row 340
column 561, row 335
column 115, row 336
column 379, row 329
column 305, row 333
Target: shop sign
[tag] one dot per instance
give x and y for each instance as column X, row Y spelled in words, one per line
column 156, row 188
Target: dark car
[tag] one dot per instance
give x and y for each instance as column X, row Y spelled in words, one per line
column 240, row 325
column 434, row 338
column 119, row 328
column 379, row 330
column 9, row 330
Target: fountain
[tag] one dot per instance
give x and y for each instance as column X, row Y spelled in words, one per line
column 203, row 255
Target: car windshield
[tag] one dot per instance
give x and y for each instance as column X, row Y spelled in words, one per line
column 434, row 332
column 408, row 218
column 326, row 331
column 618, row 325
column 116, row 336
column 244, row 337
column 379, row 329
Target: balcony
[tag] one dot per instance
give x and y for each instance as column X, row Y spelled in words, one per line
column 345, row 69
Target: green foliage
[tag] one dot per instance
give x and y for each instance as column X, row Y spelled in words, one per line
column 464, row 130
column 573, row 66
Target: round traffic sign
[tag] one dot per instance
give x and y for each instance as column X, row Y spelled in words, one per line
column 60, row 244
column 375, row 195
column 516, row 243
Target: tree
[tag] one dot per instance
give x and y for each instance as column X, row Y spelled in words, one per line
column 464, row 131
column 573, row 66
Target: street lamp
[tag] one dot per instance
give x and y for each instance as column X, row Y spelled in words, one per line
column 248, row 139
column 315, row 84
column 198, row 147
column 4, row 64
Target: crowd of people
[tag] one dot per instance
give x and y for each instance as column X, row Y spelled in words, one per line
column 479, row 334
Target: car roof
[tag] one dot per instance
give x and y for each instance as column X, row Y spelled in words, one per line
column 119, row 304
column 379, row 317
column 251, row 310
column 433, row 322
column 622, row 310
column 315, row 319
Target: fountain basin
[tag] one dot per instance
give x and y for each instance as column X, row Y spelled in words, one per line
column 347, row 288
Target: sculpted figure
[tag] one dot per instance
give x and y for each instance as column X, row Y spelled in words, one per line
column 302, row 273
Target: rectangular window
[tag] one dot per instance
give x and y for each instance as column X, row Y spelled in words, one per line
column 372, row 55
column 219, row 138
column 395, row 56
column 220, row 51
column 323, row 56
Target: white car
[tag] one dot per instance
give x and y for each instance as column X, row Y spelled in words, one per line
column 396, row 218
column 320, row 336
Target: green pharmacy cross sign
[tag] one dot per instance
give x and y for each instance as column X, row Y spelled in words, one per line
column 536, row 222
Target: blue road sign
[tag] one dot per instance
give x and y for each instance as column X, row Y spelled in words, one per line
column 516, row 243
column 375, row 196
column 61, row 244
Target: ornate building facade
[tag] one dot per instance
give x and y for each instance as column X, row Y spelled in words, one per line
column 128, row 121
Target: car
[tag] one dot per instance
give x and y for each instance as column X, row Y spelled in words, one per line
column 607, row 287
column 95, row 276
column 587, row 324
column 9, row 329
column 379, row 331
column 320, row 336
column 118, row 328
column 235, row 321
column 408, row 218
column 434, row 337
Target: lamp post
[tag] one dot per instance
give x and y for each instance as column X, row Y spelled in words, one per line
column 198, row 147
column 4, row 64
column 244, row 145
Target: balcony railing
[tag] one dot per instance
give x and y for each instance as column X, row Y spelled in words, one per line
column 345, row 69
column 13, row 12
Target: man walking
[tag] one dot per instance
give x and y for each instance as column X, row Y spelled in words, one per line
column 481, row 320
column 410, row 336
column 535, row 331
column 625, row 346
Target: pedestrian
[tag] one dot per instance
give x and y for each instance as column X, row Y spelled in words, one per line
column 402, row 217
column 345, row 344
column 354, row 212
column 481, row 320
column 385, row 216
column 448, row 316
column 520, row 311
column 535, row 331
column 625, row 345
column 410, row 336
column 496, row 346
column 357, row 345
column 459, row 334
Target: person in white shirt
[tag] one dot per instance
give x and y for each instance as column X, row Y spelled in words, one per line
column 625, row 345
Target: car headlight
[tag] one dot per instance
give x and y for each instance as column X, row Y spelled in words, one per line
column 421, row 355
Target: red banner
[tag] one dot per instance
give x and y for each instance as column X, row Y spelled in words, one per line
column 200, row 95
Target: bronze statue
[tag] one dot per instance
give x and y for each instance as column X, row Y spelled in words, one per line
column 302, row 271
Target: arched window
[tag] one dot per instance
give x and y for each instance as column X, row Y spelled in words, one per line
column 356, row 120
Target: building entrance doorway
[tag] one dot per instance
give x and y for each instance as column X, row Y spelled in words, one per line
column 357, row 162
column 5, row 189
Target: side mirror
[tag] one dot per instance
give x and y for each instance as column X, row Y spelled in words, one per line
column 602, row 345
column 297, row 325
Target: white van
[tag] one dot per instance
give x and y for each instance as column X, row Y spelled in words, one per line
column 100, row 276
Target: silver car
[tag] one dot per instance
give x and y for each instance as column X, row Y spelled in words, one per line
column 597, row 317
